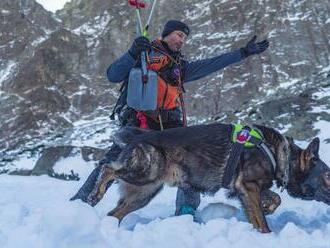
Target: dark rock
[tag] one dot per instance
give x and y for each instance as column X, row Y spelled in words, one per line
column 53, row 72
column 92, row 153
column 49, row 158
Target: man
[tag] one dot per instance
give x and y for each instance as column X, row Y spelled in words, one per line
column 175, row 72
column 168, row 49
column 164, row 57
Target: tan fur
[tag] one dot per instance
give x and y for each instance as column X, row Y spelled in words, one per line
column 107, row 174
column 250, row 195
column 133, row 197
column 173, row 175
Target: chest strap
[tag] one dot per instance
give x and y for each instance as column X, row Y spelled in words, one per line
column 245, row 138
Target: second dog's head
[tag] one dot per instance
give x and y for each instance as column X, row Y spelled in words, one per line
column 309, row 175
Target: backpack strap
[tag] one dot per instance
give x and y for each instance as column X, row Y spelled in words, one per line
column 121, row 101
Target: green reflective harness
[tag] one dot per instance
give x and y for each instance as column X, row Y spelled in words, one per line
column 255, row 136
column 244, row 137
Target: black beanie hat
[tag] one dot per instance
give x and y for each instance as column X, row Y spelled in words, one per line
column 174, row 25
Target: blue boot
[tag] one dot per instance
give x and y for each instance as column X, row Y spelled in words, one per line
column 187, row 201
column 186, row 209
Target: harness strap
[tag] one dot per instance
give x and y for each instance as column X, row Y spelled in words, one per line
column 183, row 107
column 269, row 156
column 231, row 167
column 121, row 101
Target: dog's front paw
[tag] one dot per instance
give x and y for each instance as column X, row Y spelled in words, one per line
column 269, row 201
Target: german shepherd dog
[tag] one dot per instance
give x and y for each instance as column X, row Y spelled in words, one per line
column 196, row 157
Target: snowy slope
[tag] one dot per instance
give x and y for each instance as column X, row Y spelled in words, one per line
column 36, row 212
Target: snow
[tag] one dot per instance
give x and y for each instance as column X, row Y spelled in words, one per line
column 200, row 9
column 5, row 12
column 36, row 212
column 5, row 73
column 95, row 28
column 95, row 132
column 75, row 163
column 286, row 83
column 52, row 5
column 284, row 128
column 303, row 62
column 39, row 40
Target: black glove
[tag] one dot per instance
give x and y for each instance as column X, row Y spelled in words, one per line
column 139, row 44
column 254, row 48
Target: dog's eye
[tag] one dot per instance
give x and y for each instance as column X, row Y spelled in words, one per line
column 307, row 191
column 314, row 160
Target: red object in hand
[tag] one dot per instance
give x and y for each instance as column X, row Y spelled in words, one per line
column 142, row 119
column 137, row 4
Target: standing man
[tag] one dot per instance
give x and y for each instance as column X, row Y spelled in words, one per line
column 173, row 72
column 165, row 58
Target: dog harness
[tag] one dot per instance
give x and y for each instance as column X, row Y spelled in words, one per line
column 244, row 137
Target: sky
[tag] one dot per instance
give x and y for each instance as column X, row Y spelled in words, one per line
column 52, row 5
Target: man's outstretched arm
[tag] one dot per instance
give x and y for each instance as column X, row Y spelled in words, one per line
column 201, row 68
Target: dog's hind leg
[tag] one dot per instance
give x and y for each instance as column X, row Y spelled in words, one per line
column 249, row 193
column 134, row 197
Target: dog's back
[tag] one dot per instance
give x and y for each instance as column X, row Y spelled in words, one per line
column 178, row 137
column 199, row 153
column 197, row 156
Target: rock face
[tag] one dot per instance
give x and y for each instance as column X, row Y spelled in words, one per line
column 52, row 66
column 52, row 155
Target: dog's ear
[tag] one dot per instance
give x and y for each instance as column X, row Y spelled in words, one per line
column 142, row 153
column 313, row 147
column 290, row 140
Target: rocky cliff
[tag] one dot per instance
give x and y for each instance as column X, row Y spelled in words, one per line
column 52, row 66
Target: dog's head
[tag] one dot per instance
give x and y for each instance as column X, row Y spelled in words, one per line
column 309, row 176
column 139, row 163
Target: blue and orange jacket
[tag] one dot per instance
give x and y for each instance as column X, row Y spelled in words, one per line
column 168, row 92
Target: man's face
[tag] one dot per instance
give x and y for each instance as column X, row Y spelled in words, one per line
column 175, row 40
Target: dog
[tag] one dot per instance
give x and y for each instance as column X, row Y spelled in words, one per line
column 197, row 156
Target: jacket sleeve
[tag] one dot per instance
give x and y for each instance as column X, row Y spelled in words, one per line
column 120, row 68
column 200, row 68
